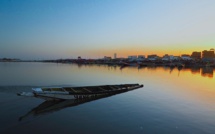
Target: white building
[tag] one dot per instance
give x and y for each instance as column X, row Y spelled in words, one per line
column 106, row 58
column 176, row 58
column 153, row 57
column 186, row 57
column 132, row 58
column 168, row 58
column 165, row 58
column 115, row 55
column 141, row 58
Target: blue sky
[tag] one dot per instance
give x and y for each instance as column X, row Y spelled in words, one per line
column 41, row 29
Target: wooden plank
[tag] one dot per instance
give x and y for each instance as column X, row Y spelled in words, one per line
column 87, row 90
column 102, row 88
column 64, row 89
column 73, row 90
column 112, row 88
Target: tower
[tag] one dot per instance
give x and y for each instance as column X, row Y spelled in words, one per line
column 115, row 55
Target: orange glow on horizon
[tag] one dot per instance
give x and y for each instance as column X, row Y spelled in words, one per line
column 125, row 52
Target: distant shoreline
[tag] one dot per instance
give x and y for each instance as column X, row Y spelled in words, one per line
column 126, row 63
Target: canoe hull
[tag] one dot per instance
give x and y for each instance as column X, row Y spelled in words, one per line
column 66, row 93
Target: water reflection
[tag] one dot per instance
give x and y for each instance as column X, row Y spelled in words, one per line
column 204, row 72
column 51, row 106
column 195, row 70
column 207, row 72
column 183, row 98
column 46, row 74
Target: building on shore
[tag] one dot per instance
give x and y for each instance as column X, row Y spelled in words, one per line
column 186, row 57
column 141, row 58
column 136, row 58
column 132, row 58
column 152, row 57
column 79, row 58
column 196, row 55
column 115, row 55
column 208, row 55
column 9, row 60
column 165, row 57
column 107, row 58
column 177, row 58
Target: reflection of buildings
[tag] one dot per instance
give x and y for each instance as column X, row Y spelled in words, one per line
column 195, row 70
column 204, row 72
column 207, row 72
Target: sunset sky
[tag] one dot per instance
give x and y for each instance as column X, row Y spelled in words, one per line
column 50, row 29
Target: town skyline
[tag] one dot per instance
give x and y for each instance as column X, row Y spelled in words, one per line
column 195, row 54
column 92, row 29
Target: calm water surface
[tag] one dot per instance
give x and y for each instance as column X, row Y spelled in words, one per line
column 171, row 101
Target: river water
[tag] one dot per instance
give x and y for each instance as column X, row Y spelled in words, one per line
column 171, row 101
